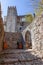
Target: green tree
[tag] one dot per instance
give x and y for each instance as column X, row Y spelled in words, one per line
column 38, row 7
column 29, row 18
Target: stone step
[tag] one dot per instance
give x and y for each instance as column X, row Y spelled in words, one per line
column 11, row 60
column 19, row 57
column 16, row 51
column 19, row 54
column 21, row 62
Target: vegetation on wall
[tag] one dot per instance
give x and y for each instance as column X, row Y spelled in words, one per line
column 38, row 7
column 29, row 18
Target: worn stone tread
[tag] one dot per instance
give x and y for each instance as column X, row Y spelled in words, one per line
column 20, row 57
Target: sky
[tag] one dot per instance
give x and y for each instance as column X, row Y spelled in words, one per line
column 23, row 6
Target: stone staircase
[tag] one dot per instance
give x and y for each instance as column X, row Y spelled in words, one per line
column 20, row 57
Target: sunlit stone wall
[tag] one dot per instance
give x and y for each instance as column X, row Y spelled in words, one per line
column 37, row 33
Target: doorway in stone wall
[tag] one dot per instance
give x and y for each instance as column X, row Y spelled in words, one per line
column 28, row 40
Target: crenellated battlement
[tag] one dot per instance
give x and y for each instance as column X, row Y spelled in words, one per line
column 12, row 11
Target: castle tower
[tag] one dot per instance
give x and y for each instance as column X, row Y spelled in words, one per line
column 11, row 19
column 1, row 31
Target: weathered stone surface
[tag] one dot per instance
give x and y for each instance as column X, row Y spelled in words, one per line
column 21, row 57
column 37, row 31
column 12, row 39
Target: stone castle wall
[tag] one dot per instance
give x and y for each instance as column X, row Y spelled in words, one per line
column 11, row 19
column 11, row 39
column 37, row 31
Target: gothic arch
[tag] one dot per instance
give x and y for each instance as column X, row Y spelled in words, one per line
column 28, row 39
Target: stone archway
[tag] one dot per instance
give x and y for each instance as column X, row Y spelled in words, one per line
column 28, row 39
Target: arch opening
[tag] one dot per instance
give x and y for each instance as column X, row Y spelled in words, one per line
column 28, row 40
